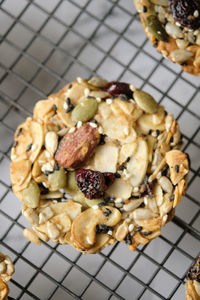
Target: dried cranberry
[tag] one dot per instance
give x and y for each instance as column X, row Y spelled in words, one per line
column 93, row 183
column 116, row 88
column 183, row 12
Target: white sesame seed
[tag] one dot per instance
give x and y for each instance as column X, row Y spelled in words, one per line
column 65, row 105
column 130, row 227
column 118, row 200
column 13, row 156
column 154, row 134
column 72, row 130
column 118, row 205
column 196, row 13
column 136, row 189
column 145, row 200
column 66, row 93
column 125, row 172
column 95, row 207
column 100, row 130
column 178, row 24
column 79, row 124
column 127, row 175
column 126, row 131
column 79, row 79
column 110, row 232
column 98, row 99
column 108, row 101
column 33, row 147
column 196, row 32
column 47, row 154
column 55, row 201
column 132, row 87
column 86, row 92
column 44, row 184
column 165, row 218
column 94, row 125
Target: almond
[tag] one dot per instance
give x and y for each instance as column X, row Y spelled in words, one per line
column 76, row 147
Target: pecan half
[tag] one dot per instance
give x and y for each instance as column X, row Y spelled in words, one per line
column 76, row 147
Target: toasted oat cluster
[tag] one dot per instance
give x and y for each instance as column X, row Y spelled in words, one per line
column 173, row 27
column 6, row 272
column 98, row 162
column 192, row 286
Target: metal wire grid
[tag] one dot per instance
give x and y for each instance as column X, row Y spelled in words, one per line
column 102, row 38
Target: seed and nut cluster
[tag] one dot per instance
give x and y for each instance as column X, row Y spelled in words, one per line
column 192, row 286
column 6, row 272
column 104, row 165
column 173, row 26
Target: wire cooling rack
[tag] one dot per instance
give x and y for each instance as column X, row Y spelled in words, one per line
column 43, row 45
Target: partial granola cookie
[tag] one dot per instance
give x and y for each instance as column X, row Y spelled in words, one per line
column 6, row 272
column 173, row 27
column 192, row 287
column 106, row 166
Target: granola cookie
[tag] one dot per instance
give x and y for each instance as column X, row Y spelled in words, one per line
column 6, row 272
column 192, row 287
column 173, row 27
column 98, row 162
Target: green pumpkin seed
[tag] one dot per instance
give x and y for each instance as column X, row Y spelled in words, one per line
column 157, row 28
column 85, row 110
column 31, row 195
column 71, row 181
column 57, row 180
column 80, row 198
column 145, row 101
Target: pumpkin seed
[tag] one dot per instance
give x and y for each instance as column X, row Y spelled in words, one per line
column 31, row 195
column 80, row 198
column 85, row 110
column 157, row 28
column 145, row 101
column 93, row 202
column 97, row 82
column 71, row 181
column 57, row 180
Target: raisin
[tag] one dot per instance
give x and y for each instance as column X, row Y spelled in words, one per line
column 116, row 88
column 93, row 183
column 183, row 12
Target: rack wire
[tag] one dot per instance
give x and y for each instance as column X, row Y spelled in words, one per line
column 43, row 45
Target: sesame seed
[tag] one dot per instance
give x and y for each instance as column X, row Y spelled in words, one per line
column 100, row 130
column 70, row 108
column 144, row 9
column 19, row 132
column 69, row 87
column 79, row 124
column 128, row 159
column 44, row 184
column 117, row 175
column 65, row 106
column 79, row 79
column 28, row 148
column 54, row 107
column 86, row 92
column 98, row 99
column 47, row 154
column 132, row 87
column 13, row 157
column 146, row 233
column 118, row 200
column 109, row 101
column 95, row 207
column 145, row 200
column 196, row 13
column 68, row 101
column 157, row 132
column 176, row 168
column 138, row 229
column 130, row 227
column 126, row 131
column 71, row 130
column 15, row 144
column 110, row 232
column 154, row 134
column 149, row 132
column 93, row 125
column 136, row 189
